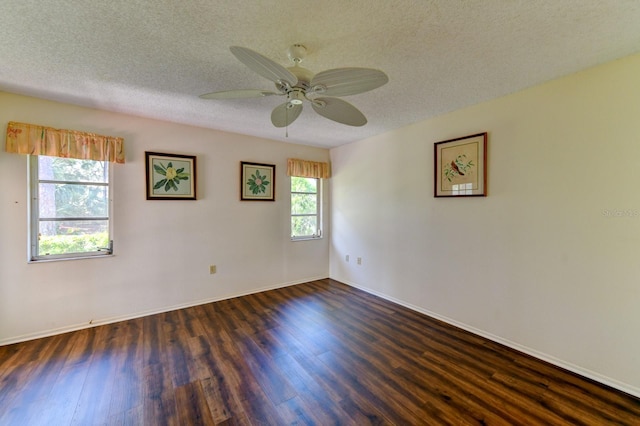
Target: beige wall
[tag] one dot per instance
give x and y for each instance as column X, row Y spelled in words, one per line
column 549, row 261
column 163, row 249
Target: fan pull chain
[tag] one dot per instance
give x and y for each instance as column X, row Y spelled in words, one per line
column 286, row 122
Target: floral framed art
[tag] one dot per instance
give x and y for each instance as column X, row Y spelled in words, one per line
column 170, row 176
column 461, row 167
column 257, row 181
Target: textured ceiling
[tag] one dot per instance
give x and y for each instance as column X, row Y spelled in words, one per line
column 153, row 58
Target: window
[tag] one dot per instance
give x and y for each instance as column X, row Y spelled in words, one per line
column 306, row 197
column 305, row 208
column 70, row 208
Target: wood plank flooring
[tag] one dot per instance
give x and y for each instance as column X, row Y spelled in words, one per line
column 318, row 353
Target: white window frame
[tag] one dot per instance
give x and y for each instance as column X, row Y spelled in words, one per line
column 318, row 213
column 34, row 215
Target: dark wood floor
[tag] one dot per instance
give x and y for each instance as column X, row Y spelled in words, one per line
column 318, row 353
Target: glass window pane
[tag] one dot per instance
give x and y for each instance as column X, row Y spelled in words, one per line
column 73, row 200
column 73, row 170
column 300, row 184
column 77, row 236
column 304, row 203
column 304, row 226
column 305, row 206
column 64, row 213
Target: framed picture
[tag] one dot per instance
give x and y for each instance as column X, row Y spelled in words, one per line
column 461, row 167
column 257, row 181
column 170, row 176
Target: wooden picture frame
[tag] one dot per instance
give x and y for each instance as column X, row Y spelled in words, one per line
column 461, row 167
column 170, row 176
column 257, row 181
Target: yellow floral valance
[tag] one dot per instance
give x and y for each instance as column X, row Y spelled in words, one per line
column 32, row 139
column 304, row 168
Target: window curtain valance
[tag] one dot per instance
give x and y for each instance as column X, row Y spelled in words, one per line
column 312, row 169
column 23, row 138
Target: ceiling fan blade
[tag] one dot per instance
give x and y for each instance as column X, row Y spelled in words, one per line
column 263, row 65
column 338, row 110
column 238, row 94
column 282, row 116
column 348, row 81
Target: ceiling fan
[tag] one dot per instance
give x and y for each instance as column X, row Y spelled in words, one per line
column 299, row 84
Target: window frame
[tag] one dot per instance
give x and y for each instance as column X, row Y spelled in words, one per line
column 318, row 213
column 33, row 188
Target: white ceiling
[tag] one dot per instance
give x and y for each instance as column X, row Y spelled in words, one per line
column 153, row 58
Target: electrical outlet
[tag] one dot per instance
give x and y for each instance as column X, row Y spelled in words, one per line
column 346, row 258
column 359, row 261
column 212, row 269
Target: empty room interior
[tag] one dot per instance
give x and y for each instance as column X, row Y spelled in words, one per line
column 320, row 212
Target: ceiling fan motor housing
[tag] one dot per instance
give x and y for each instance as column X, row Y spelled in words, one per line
column 298, row 93
column 304, row 76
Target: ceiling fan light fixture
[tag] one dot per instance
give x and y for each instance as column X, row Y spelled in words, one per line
column 296, row 97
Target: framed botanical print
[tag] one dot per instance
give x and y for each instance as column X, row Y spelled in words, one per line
column 257, row 181
column 170, row 176
column 461, row 167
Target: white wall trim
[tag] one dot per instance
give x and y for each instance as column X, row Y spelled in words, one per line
column 103, row 321
column 616, row 384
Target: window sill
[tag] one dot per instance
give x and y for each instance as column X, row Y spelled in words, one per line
column 305, row 238
column 62, row 259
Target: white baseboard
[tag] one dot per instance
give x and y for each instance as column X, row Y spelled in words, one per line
column 616, row 384
column 103, row 321
column 624, row 387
